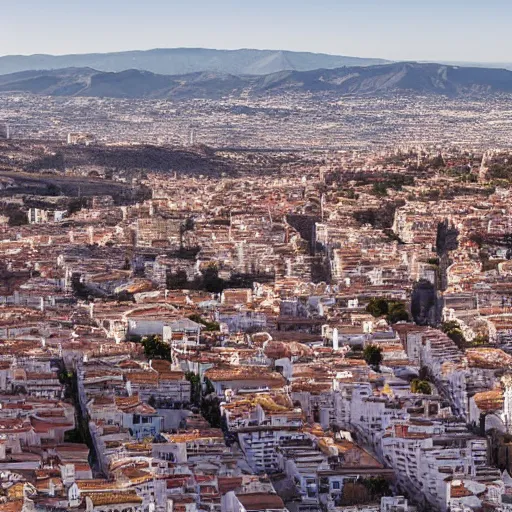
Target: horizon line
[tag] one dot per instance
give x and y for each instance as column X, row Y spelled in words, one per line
column 385, row 60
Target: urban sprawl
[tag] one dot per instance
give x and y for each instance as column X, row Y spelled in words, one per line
column 255, row 313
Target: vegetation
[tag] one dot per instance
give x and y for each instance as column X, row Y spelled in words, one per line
column 397, row 313
column 372, row 354
column 379, row 189
column 478, row 341
column 177, row 280
column 210, row 406
column 209, row 326
column 81, row 433
column 393, row 310
column 76, row 204
column 378, row 307
column 195, row 387
column 454, row 332
column 392, row 181
column 155, row 348
column 205, row 398
column 53, row 190
column 55, row 161
column 376, row 487
column 349, row 193
column 500, row 171
column 17, row 217
column 421, row 386
column 210, row 281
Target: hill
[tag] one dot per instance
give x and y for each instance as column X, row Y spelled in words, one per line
column 179, row 61
column 370, row 80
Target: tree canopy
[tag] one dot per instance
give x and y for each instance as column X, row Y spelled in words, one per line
column 372, row 354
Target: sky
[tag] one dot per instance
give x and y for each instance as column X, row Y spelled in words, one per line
column 449, row 30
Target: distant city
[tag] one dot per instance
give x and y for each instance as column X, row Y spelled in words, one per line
column 254, row 281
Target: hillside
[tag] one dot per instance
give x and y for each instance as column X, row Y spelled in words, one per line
column 180, row 61
column 371, row 80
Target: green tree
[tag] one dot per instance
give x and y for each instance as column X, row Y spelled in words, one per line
column 177, row 280
column 393, row 310
column 155, row 348
column 52, row 190
column 454, row 332
column 380, row 189
column 209, row 326
column 210, row 409
column 195, row 387
column 397, row 313
column 421, row 386
column 17, row 217
column 372, row 354
column 377, row 307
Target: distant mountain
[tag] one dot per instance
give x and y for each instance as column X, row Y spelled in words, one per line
column 500, row 65
column 371, row 80
column 180, row 61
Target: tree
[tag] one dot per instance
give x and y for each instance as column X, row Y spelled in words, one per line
column 209, row 326
column 372, row 354
column 177, row 280
column 211, row 280
column 457, row 336
column 188, row 225
column 393, row 310
column 195, row 387
column 454, row 332
column 376, row 487
column 421, row 386
column 155, row 348
column 52, row 190
column 377, row 307
column 75, row 205
column 380, row 189
column 17, row 217
column 397, row 313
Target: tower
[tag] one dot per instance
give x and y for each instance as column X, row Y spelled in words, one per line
column 192, row 137
column 507, row 402
column 482, row 174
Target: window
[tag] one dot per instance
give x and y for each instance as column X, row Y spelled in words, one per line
column 136, row 419
column 146, row 419
column 336, row 485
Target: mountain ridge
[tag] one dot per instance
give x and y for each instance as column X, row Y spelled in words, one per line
column 177, row 61
column 367, row 80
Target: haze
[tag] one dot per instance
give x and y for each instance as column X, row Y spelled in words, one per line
column 455, row 30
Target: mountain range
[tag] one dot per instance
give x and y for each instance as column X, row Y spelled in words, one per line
column 180, row 61
column 369, row 80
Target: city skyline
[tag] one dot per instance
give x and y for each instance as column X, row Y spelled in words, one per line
column 434, row 31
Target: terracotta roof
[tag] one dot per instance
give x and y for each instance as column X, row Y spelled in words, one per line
column 114, row 498
column 249, row 373
column 260, row 501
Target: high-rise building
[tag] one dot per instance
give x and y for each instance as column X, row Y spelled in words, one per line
column 5, row 131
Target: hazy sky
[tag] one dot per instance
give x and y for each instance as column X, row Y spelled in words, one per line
column 465, row 30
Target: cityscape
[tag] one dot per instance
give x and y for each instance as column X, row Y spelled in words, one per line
column 255, row 281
